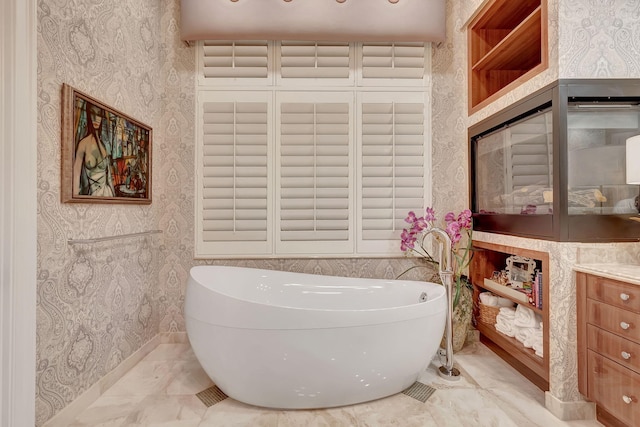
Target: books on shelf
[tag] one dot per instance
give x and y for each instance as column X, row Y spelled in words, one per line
column 537, row 286
column 529, row 295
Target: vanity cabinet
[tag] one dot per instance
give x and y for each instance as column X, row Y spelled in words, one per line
column 490, row 257
column 608, row 314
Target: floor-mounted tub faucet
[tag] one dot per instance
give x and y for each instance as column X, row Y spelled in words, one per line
column 445, row 269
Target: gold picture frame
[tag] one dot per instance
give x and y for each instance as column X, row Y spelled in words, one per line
column 106, row 154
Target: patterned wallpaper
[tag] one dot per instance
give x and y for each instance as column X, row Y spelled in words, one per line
column 98, row 304
column 599, row 39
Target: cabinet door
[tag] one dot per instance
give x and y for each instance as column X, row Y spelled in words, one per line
column 624, row 352
column 623, row 323
column 615, row 388
column 615, row 293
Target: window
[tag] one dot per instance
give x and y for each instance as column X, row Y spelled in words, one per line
column 309, row 149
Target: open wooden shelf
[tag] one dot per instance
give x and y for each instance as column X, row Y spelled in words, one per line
column 496, row 291
column 490, row 257
column 507, row 54
column 507, row 46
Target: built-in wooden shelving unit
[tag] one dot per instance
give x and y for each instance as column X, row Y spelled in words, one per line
column 487, row 258
column 507, row 46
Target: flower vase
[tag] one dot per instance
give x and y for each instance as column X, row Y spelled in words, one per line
column 461, row 319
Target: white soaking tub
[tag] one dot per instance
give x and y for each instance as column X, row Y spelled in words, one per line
column 298, row 341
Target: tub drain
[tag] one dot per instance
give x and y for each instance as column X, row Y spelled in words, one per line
column 419, row 391
column 211, row 396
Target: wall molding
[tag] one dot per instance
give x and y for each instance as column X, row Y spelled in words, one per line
column 18, row 212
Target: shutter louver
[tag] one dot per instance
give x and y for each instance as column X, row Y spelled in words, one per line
column 531, row 153
column 393, row 61
column 311, row 60
column 393, row 165
column 239, row 59
column 234, row 178
column 315, row 190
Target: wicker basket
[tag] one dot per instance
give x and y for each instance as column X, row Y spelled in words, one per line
column 488, row 314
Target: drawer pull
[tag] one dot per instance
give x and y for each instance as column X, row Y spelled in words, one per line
column 627, row 399
column 624, row 325
column 626, row 355
column 624, row 297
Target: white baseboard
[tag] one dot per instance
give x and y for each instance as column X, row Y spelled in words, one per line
column 568, row 411
column 82, row 402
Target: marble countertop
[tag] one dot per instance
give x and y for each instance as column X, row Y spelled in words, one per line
column 625, row 272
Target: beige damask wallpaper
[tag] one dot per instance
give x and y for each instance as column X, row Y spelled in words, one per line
column 97, row 304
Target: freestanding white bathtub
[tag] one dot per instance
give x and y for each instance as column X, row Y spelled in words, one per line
column 294, row 341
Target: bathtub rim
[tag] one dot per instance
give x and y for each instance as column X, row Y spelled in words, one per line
column 211, row 306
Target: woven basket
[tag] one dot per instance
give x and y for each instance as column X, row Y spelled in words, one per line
column 488, row 314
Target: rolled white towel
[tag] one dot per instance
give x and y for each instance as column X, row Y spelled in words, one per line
column 505, row 302
column 508, row 312
column 526, row 318
column 534, row 336
column 506, row 329
column 487, row 298
column 484, row 297
column 537, row 343
column 539, row 352
column 504, row 318
column 524, row 335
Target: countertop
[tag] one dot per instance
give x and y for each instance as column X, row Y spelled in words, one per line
column 624, row 272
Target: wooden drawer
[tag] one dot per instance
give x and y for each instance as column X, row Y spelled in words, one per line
column 621, row 322
column 615, row 388
column 618, row 294
column 620, row 350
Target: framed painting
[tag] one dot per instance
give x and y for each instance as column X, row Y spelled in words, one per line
column 106, row 155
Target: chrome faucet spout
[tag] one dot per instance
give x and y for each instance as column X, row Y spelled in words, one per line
column 445, row 265
column 445, row 268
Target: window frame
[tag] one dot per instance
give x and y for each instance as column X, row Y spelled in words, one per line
column 357, row 88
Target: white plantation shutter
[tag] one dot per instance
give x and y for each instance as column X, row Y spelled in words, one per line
column 243, row 61
column 404, row 62
column 314, row 180
column 234, row 178
column 309, row 148
column 304, row 62
column 393, row 156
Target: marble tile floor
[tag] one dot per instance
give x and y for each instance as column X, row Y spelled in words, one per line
column 160, row 391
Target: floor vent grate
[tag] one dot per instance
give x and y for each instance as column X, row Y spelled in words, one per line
column 419, row 391
column 211, row 396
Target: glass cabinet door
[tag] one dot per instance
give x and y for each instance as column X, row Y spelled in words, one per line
column 596, row 141
column 514, row 168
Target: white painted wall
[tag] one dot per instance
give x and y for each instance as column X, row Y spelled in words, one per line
column 18, row 159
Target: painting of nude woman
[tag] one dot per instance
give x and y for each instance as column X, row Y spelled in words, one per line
column 106, row 155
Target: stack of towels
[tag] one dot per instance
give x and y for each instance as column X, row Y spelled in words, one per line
column 523, row 324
